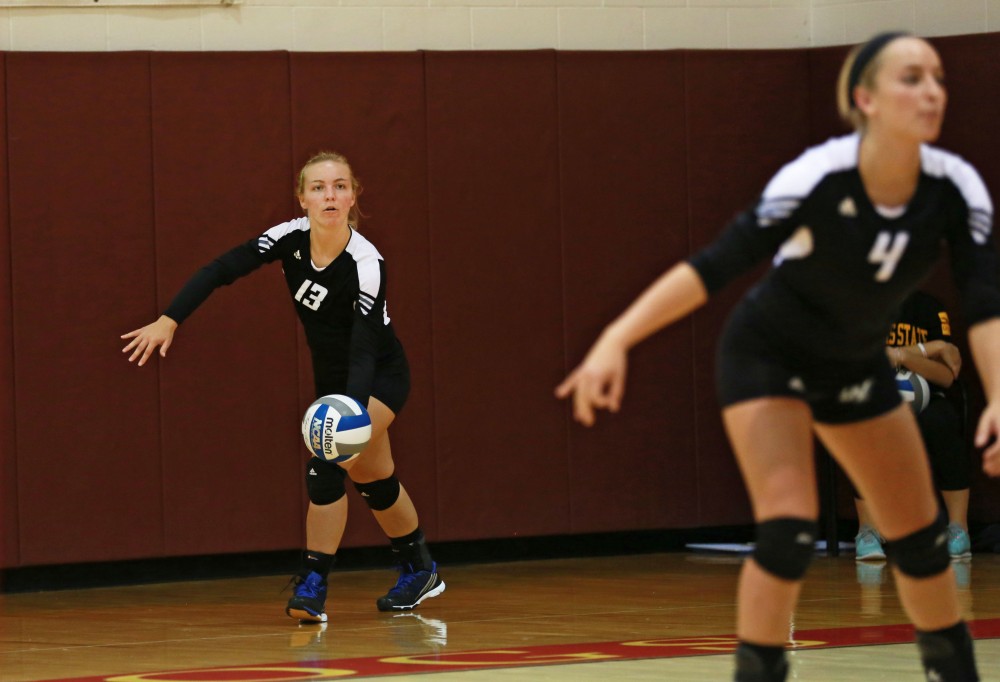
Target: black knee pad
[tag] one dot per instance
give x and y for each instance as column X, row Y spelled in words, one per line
column 923, row 553
column 760, row 663
column 785, row 547
column 380, row 495
column 324, row 482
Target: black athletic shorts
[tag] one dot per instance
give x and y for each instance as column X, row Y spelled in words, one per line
column 752, row 363
column 390, row 386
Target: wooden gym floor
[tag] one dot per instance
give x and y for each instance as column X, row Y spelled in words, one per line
column 643, row 617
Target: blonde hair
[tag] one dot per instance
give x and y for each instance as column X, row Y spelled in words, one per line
column 354, row 215
column 854, row 73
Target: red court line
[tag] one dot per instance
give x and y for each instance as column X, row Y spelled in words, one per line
column 510, row 657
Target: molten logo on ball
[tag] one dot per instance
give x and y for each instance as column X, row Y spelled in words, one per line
column 329, row 428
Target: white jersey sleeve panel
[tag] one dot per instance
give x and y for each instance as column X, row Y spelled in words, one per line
column 796, row 180
column 370, row 284
column 941, row 164
column 273, row 234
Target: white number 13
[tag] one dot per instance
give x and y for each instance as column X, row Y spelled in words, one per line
column 311, row 294
column 886, row 252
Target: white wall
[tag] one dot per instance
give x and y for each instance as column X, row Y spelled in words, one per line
column 374, row 25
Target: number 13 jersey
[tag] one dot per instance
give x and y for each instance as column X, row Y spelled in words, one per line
column 342, row 306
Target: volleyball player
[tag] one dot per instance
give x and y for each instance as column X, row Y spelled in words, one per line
column 852, row 225
column 337, row 280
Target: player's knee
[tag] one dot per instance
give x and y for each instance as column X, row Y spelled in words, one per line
column 785, row 546
column 324, row 482
column 380, row 495
column 923, row 553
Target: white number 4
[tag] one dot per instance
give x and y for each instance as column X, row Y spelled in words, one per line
column 887, row 251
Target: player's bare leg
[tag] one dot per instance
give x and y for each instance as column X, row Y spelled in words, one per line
column 373, row 475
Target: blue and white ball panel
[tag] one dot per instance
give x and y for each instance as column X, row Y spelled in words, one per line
column 336, row 428
column 913, row 389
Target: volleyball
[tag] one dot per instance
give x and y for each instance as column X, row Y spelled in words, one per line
column 914, row 389
column 336, row 428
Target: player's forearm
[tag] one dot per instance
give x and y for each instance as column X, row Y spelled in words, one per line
column 984, row 341
column 924, row 361
column 676, row 293
column 929, row 368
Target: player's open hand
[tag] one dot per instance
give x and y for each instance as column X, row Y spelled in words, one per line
column 144, row 341
column 599, row 381
column 988, row 436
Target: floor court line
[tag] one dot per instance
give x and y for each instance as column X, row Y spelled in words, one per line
column 530, row 656
column 641, row 617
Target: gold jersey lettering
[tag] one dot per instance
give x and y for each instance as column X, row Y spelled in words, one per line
column 945, row 324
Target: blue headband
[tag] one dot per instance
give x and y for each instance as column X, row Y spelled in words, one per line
column 864, row 57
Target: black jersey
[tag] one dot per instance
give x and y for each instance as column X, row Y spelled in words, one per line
column 342, row 306
column 921, row 318
column 840, row 267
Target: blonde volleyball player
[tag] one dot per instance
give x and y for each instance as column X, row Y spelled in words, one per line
column 852, row 225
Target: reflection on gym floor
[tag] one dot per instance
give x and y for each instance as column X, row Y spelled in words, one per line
column 652, row 616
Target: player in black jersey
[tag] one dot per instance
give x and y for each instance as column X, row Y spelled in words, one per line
column 852, row 226
column 337, row 280
column 919, row 341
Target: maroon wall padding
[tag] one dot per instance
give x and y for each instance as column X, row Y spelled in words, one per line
column 8, row 454
column 747, row 116
column 229, row 386
column 496, row 293
column 521, row 201
column 382, row 131
column 970, row 64
column 623, row 204
column 974, row 98
column 824, row 69
column 82, row 252
column 969, row 61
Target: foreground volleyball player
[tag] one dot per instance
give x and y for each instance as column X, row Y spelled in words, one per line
column 853, row 226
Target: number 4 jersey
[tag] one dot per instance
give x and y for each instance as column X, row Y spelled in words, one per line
column 840, row 265
column 342, row 306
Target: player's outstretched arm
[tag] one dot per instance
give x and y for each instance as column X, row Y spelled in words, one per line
column 599, row 381
column 147, row 339
column 984, row 341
